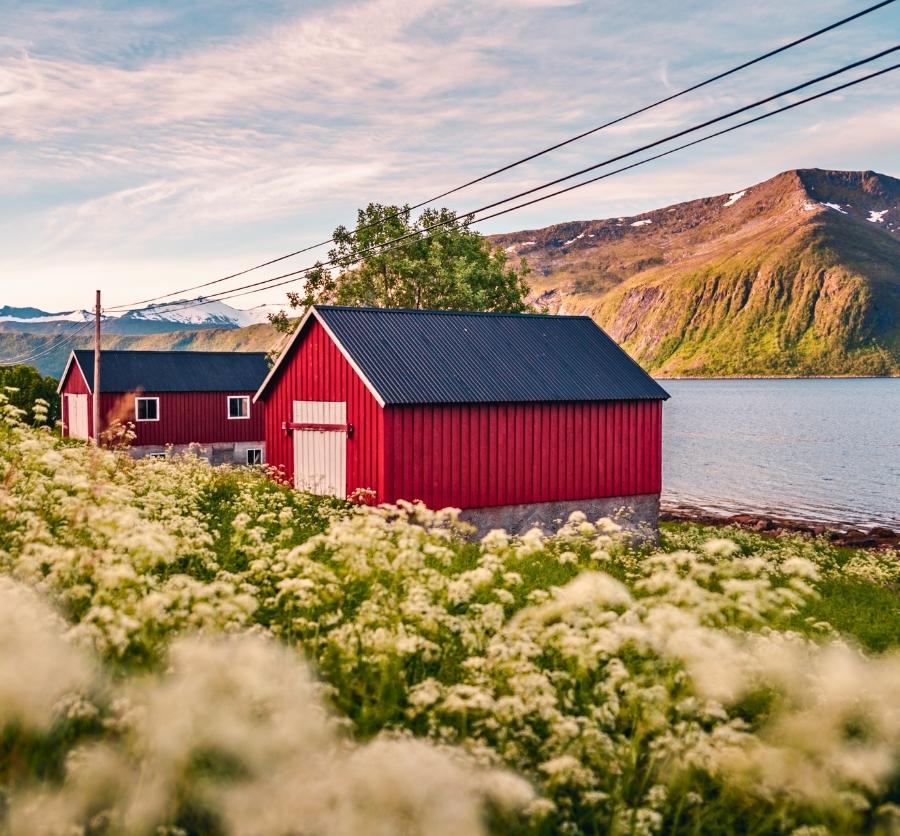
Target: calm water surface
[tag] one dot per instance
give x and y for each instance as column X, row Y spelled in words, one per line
column 819, row 450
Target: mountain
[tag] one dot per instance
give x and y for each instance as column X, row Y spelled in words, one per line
column 798, row 275
column 32, row 316
column 211, row 326
column 180, row 315
column 205, row 315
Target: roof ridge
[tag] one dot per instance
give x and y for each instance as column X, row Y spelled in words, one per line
column 448, row 312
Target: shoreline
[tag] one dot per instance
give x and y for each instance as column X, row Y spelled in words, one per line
column 876, row 537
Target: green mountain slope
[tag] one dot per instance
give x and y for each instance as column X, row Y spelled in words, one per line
column 799, row 275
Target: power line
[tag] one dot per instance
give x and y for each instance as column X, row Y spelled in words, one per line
column 288, row 278
column 631, row 166
column 718, row 77
column 693, row 142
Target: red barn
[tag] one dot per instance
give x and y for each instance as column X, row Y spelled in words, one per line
column 517, row 418
column 172, row 398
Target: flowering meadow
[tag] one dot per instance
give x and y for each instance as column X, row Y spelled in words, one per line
column 187, row 649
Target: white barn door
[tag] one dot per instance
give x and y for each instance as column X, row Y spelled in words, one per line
column 320, row 447
column 78, row 416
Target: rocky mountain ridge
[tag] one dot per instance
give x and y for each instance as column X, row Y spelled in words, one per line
column 799, row 275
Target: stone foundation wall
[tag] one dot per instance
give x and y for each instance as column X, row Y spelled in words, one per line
column 637, row 513
column 227, row 452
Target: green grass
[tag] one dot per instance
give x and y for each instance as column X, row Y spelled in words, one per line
column 868, row 613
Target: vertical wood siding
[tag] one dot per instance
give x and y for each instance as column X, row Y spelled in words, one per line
column 185, row 417
column 472, row 456
column 317, row 371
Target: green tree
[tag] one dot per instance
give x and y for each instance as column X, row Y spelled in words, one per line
column 441, row 265
column 23, row 385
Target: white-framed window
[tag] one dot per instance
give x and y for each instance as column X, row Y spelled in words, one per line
column 238, row 407
column 146, row 409
column 254, row 455
column 156, row 455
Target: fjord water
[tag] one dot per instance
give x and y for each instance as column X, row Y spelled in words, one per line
column 817, row 450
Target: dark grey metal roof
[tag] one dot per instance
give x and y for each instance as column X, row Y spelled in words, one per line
column 176, row 371
column 413, row 356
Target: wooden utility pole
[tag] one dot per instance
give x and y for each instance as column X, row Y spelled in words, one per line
column 97, row 370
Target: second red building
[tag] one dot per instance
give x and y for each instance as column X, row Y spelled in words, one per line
column 172, row 399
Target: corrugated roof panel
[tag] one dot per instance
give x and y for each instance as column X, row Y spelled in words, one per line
column 176, row 371
column 413, row 356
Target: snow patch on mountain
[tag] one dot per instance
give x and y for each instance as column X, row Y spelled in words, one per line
column 877, row 217
column 512, row 248
column 186, row 312
column 644, row 222
column 836, row 207
column 732, row 199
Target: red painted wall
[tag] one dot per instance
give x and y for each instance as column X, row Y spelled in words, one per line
column 473, row 456
column 185, row 417
column 316, row 370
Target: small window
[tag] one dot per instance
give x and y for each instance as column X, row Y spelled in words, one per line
column 254, row 455
column 156, row 455
column 238, row 406
column 146, row 409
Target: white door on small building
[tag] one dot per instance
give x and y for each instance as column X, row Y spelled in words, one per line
column 78, row 416
column 320, row 447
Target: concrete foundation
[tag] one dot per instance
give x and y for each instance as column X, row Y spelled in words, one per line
column 226, row 452
column 639, row 514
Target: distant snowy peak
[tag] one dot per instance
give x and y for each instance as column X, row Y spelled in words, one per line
column 191, row 312
column 185, row 312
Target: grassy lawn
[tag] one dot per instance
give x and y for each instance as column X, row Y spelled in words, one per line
column 868, row 613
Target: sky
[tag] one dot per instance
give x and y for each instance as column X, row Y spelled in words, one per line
column 146, row 147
